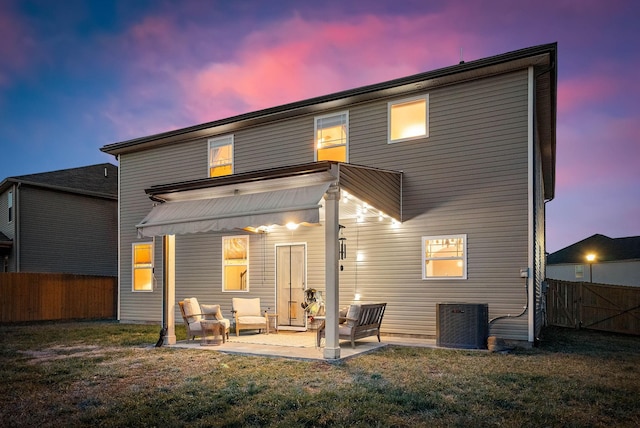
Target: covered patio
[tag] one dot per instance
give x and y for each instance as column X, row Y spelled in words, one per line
column 306, row 194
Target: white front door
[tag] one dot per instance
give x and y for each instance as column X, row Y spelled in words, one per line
column 291, row 278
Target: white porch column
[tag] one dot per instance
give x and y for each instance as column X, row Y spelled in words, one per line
column 332, row 282
column 169, row 288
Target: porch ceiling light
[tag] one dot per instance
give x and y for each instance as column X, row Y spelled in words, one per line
column 292, row 226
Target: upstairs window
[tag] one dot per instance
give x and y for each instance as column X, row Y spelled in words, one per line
column 143, row 266
column 10, row 205
column 221, row 156
column 332, row 137
column 408, row 119
column 235, row 263
column 444, row 257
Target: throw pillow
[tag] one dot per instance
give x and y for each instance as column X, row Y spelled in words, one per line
column 211, row 312
column 352, row 314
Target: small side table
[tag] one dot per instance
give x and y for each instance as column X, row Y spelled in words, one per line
column 272, row 318
column 212, row 330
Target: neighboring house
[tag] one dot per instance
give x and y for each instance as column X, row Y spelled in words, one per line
column 616, row 261
column 61, row 221
column 437, row 182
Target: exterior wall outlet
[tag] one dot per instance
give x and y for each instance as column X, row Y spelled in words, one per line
column 524, row 273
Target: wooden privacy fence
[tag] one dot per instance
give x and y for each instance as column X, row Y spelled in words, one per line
column 604, row 307
column 56, row 296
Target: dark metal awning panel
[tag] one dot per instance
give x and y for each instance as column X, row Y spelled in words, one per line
column 279, row 207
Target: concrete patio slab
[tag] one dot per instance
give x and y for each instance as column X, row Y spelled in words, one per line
column 296, row 345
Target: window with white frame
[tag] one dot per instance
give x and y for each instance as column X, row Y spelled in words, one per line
column 332, row 137
column 444, row 257
column 579, row 269
column 221, row 156
column 408, row 119
column 142, row 266
column 235, row 263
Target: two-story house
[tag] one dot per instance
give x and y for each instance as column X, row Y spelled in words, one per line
column 62, row 221
column 422, row 190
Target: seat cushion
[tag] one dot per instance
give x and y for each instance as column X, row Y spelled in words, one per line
column 252, row 320
column 246, row 307
column 344, row 330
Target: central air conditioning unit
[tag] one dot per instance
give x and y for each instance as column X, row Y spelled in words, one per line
column 462, row 325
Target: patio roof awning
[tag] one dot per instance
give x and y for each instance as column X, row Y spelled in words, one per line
column 239, row 211
column 263, row 198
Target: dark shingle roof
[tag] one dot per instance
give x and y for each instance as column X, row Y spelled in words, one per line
column 606, row 250
column 97, row 180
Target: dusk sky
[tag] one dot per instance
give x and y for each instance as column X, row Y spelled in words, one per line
column 76, row 75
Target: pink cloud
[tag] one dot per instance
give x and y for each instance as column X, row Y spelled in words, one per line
column 597, row 150
column 588, row 90
column 272, row 68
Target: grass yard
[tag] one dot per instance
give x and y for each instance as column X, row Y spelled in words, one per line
column 103, row 374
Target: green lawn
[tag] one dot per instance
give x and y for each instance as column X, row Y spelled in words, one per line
column 108, row 374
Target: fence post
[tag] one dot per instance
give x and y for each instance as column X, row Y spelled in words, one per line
column 580, row 310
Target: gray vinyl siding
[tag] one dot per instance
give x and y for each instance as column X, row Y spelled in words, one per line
column 468, row 177
column 275, row 145
column 139, row 171
column 67, row 233
column 254, row 148
column 199, row 266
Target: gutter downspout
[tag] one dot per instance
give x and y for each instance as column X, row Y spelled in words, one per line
column 119, row 244
column 531, row 207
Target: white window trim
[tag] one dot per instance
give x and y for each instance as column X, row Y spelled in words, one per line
column 133, row 266
column 315, row 132
column 465, row 258
column 403, row 101
column 223, row 265
column 220, row 142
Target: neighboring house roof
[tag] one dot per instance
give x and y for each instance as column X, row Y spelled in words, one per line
column 99, row 180
column 543, row 59
column 606, row 250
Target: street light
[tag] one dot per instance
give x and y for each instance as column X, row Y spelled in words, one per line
column 591, row 258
